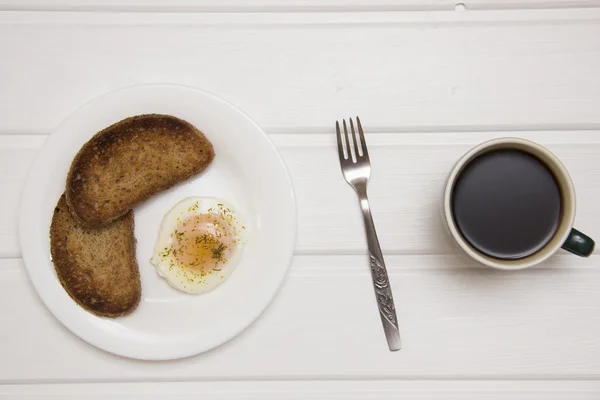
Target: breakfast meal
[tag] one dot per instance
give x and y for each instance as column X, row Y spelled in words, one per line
column 199, row 244
column 92, row 239
column 130, row 161
column 97, row 267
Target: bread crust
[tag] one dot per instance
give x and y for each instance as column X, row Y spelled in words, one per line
column 96, row 267
column 131, row 160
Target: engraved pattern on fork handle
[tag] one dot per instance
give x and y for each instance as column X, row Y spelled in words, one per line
column 385, row 300
column 381, row 283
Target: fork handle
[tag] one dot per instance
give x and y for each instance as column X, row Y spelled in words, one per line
column 381, row 283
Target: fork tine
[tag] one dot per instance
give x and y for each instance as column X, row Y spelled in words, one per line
column 339, row 141
column 363, row 143
column 354, row 139
column 347, row 141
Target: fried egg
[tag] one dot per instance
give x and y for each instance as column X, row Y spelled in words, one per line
column 199, row 243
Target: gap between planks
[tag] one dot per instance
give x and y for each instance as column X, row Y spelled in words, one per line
column 333, row 390
column 350, row 264
column 341, row 19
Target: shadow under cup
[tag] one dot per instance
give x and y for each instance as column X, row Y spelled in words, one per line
column 507, row 194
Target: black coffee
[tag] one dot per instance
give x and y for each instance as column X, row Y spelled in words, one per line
column 506, row 204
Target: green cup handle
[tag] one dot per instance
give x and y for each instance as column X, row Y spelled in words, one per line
column 579, row 243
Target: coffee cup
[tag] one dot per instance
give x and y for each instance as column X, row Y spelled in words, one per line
column 509, row 203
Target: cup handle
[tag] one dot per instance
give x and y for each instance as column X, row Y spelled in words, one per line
column 579, row 243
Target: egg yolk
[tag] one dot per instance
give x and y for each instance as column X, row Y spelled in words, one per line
column 203, row 241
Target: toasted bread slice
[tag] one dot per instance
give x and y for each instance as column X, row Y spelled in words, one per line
column 97, row 267
column 130, row 161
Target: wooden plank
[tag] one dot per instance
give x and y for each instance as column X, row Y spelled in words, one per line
column 405, row 189
column 17, row 155
column 287, row 5
column 456, row 323
column 407, row 180
column 334, row 390
column 434, row 71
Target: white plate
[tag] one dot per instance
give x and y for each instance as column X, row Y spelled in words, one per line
column 247, row 171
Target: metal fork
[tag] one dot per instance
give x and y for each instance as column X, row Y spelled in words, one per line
column 356, row 167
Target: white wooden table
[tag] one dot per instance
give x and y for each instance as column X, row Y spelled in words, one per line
column 429, row 80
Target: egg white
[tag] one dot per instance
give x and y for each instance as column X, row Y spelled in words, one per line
column 180, row 277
